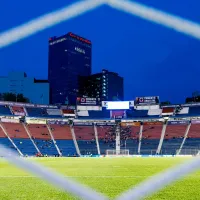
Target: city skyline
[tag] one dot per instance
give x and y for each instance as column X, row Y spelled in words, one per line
column 171, row 59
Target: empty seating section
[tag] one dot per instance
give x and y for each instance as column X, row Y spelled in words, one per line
column 62, row 135
column 85, row 137
column 37, row 112
column 150, row 138
column 106, row 135
column 174, row 135
column 192, row 143
column 16, row 110
column 5, row 110
column 42, row 138
column 15, row 130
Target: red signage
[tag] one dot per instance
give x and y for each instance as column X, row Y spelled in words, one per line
column 80, row 38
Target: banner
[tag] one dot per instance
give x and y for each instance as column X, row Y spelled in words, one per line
column 181, row 122
column 88, row 101
column 147, row 100
column 83, row 123
column 195, row 121
column 152, row 123
column 105, row 124
column 10, row 120
column 36, row 121
column 57, row 122
column 130, row 123
column 8, row 103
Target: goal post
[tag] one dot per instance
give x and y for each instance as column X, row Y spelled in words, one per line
column 122, row 152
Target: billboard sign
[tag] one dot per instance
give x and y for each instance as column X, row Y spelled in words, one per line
column 83, row 123
column 105, row 123
column 86, row 101
column 105, row 103
column 147, row 100
column 117, row 105
column 196, row 121
column 181, row 122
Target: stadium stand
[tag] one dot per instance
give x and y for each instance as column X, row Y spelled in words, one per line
column 130, row 136
column 5, row 141
column 85, row 137
column 150, row 137
column 63, row 138
column 192, row 143
column 49, row 138
column 42, row 139
column 173, row 137
column 106, row 135
column 19, row 136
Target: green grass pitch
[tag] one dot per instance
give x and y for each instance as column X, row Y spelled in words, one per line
column 111, row 176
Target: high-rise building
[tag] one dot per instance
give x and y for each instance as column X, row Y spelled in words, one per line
column 69, row 58
column 107, row 86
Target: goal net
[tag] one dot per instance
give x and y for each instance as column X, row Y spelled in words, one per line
column 122, row 152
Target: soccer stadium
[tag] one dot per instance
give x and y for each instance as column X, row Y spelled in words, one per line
column 80, row 131
column 120, row 142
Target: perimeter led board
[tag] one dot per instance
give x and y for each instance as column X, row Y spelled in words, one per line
column 117, row 105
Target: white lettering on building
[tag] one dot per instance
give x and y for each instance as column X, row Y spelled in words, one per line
column 80, row 50
column 58, row 41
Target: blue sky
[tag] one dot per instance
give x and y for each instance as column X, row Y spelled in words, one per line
column 152, row 59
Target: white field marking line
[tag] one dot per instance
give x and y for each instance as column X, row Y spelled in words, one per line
column 10, row 176
column 50, row 176
column 50, row 19
column 159, row 181
column 154, row 15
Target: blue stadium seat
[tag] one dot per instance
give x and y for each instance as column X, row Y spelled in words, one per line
column 6, row 142
column 149, row 146
column 87, row 147
column 66, row 147
column 170, row 146
column 25, row 146
column 46, row 147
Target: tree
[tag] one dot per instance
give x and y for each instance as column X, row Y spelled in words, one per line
column 15, row 98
